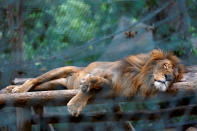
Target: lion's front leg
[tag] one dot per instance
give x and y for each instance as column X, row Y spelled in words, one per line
column 78, row 102
column 89, row 88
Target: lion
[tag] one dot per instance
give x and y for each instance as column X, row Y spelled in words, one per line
column 145, row 74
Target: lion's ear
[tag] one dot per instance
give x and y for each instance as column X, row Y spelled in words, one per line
column 157, row 54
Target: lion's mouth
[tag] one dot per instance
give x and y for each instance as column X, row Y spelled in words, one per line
column 161, row 85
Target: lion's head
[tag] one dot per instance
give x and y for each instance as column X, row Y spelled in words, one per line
column 163, row 70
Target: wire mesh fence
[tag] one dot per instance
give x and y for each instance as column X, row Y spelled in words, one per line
column 37, row 36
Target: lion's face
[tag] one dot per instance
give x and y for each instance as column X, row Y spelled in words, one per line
column 163, row 75
column 166, row 71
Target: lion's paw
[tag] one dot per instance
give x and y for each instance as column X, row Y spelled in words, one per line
column 74, row 109
column 87, row 83
column 17, row 90
column 84, row 87
column 14, row 89
column 11, row 89
column 8, row 89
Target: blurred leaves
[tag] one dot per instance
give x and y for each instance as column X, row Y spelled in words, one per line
column 73, row 21
column 51, row 26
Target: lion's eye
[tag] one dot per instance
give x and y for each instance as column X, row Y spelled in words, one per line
column 165, row 66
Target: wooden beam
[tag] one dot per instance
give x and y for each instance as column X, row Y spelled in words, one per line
column 39, row 111
column 19, row 81
column 119, row 116
column 60, row 97
column 23, row 119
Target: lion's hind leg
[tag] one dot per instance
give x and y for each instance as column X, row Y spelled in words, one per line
column 57, row 73
column 8, row 89
column 52, row 85
column 88, row 88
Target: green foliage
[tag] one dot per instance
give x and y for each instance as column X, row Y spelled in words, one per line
column 70, row 23
column 53, row 26
column 194, row 51
column 74, row 22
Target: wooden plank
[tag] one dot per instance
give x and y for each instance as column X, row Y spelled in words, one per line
column 19, row 81
column 60, row 97
column 23, row 119
column 39, row 111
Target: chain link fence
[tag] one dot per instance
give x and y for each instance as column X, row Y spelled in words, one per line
column 37, row 36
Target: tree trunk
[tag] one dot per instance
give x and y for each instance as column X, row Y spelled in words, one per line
column 15, row 25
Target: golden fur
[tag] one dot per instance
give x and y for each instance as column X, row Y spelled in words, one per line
column 144, row 74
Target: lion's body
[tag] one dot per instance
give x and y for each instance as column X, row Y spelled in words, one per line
column 111, row 70
column 144, row 74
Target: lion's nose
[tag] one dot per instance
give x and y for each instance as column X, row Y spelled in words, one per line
column 168, row 77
